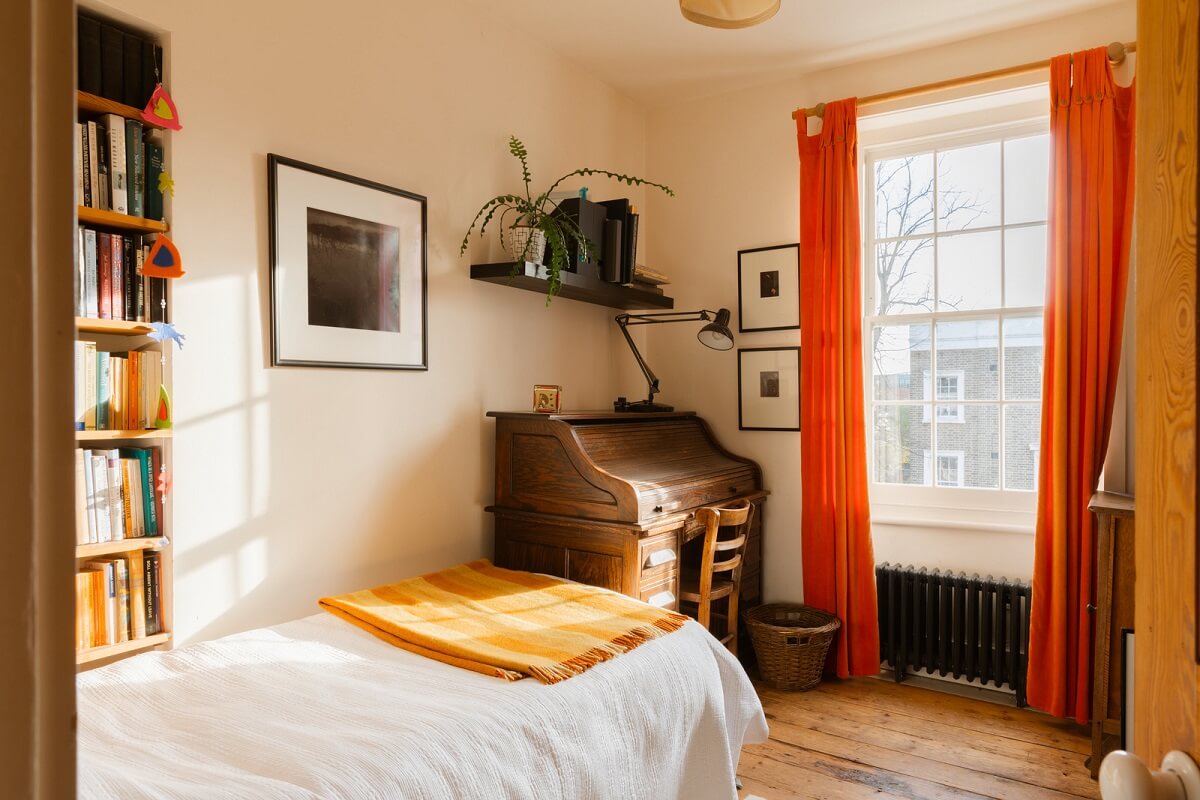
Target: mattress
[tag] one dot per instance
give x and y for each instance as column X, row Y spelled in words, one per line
column 317, row 708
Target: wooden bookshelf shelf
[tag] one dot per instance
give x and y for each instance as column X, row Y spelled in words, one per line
column 94, row 104
column 580, row 286
column 121, row 546
column 122, row 649
column 112, row 327
column 111, row 219
column 104, row 436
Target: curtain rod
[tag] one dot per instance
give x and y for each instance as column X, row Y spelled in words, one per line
column 1116, row 55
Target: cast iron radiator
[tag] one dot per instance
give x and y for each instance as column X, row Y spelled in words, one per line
column 974, row 628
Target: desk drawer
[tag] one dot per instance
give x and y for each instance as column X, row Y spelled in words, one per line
column 663, row 592
column 658, row 556
column 672, row 499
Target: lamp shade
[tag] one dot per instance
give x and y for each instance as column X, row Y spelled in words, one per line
column 728, row 13
column 716, row 334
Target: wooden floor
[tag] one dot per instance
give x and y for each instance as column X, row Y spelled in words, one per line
column 873, row 738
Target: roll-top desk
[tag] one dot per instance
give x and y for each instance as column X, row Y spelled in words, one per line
column 610, row 499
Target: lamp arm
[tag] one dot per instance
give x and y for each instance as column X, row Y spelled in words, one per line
column 651, row 378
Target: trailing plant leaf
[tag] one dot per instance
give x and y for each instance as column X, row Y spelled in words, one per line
column 517, row 148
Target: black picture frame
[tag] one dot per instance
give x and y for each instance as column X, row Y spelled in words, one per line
column 274, row 163
column 775, row 388
column 745, row 259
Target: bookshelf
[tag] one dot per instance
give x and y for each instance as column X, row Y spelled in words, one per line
column 144, row 363
column 580, row 286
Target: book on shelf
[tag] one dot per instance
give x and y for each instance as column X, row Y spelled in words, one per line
column 116, row 391
column 118, row 499
column 643, row 274
column 135, row 155
column 116, row 63
column 110, row 284
column 112, row 64
column 87, row 157
column 154, row 168
column 117, row 166
column 88, row 34
column 117, row 599
column 79, row 148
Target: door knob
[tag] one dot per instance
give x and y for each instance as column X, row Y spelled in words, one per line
column 1123, row 776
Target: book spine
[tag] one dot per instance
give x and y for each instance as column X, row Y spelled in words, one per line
column 134, row 168
column 82, row 536
column 153, row 598
column 144, row 459
column 139, row 281
column 117, row 278
column 100, row 492
column 614, row 251
column 103, row 390
column 129, row 519
column 156, row 468
column 631, row 237
column 89, row 387
column 116, row 495
column 79, row 151
column 89, row 55
column 93, row 178
column 116, row 163
column 90, row 290
column 90, row 494
column 131, row 56
column 137, row 595
column 112, row 63
column 102, row 175
column 154, row 168
column 104, row 275
column 122, row 569
column 79, row 385
column 87, row 152
column 129, row 280
column 80, row 300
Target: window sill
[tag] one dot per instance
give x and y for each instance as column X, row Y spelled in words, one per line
column 950, row 524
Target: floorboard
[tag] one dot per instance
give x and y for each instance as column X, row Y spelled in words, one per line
column 870, row 738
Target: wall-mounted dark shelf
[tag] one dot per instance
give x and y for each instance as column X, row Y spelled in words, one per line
column 575, row 286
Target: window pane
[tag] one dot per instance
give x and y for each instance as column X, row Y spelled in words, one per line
column 968, row 352
column 969, row 187
column 904, row 196
column 1025, row 266
column 904, row 277
column 1026, row 178
column 1023, row 353
column 900, row 440
column 968, row 271
column 900, row 358
column 1022, row 427
column 973, row 431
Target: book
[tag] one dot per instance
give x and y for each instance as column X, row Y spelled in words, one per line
column 90, row 290
column 95, row 145
column 89, row 385
column 631, row 237
column 79, row 148
column 152, row 572
column 154, row 168
column 103, row 389
column 156, row 469
column 84, row 633
column 119, row 195
column 90, row 497
column 88, row 36
column 643, row 274
column 151, row 58
column 112, row 63
column 109, row 601
column 137, row 259
column 134, row 168
column 104, row 275
column 131, row 71
column 100, row 497
column 128, row 502
column 140, row 459
column 102, row 176
column 117, row 278
column 80, row 386
column 137, row 595
column 87, row 153
column 116, row 495
column 129, row 278
column 82, row 529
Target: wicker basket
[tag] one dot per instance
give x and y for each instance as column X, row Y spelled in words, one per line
column 791, row 642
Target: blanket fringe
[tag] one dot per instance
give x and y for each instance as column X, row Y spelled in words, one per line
column 555, row 673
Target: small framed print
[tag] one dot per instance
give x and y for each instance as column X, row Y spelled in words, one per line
column 547, row 399
column 769, row 288
column 769, row 389
column 348, row 279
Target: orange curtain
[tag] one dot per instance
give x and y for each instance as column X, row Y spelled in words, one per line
column 1091, row 204
column 839, row 565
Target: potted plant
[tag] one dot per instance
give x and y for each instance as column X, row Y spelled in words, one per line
column 530, row 224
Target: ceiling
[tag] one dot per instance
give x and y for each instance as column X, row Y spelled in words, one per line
column 648, row 51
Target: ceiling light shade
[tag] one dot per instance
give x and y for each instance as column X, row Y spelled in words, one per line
column 728, row 13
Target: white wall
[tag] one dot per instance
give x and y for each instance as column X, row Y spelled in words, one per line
column 293, row 483
column 732, row 161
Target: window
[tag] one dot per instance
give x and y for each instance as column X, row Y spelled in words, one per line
column 955, row 264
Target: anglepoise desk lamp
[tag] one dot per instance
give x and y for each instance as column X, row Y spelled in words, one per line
column 715, row 334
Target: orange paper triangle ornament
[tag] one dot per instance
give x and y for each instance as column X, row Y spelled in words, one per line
column 163, row 261
column 160, row 110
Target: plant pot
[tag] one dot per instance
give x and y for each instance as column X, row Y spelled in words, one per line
column 527, row 244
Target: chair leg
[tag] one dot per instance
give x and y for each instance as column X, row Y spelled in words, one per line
column 731, row 623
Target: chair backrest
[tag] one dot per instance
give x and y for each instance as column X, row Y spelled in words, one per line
column 726, row 529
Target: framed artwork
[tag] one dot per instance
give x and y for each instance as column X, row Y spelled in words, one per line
column 348, row 270
column 769, row 389
column 769, row 288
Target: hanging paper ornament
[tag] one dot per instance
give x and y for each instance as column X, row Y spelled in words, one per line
column 163, row 260
column 160, row 110
column 166, row 184
column 163, row 485
column 162, row 417
column 161, row 331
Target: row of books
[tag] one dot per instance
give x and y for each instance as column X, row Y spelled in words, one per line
column 116, row 63
column 115, row 497
column 118, row 167
column 109, row 280
column 118, row 599
column 116, row 391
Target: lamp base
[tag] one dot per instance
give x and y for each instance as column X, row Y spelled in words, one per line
column 621, row 404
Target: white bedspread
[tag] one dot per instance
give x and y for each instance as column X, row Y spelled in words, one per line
column 317, row 708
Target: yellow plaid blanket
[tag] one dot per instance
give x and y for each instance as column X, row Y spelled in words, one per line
column 504, row 623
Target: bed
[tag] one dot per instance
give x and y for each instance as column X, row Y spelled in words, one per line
column 317, row 708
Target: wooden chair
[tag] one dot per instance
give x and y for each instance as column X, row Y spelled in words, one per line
column 719, row 574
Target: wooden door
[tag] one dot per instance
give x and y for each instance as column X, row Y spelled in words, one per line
column 1165, row 672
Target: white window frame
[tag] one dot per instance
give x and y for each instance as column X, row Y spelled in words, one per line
column 932, row 469
column 929, row 504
